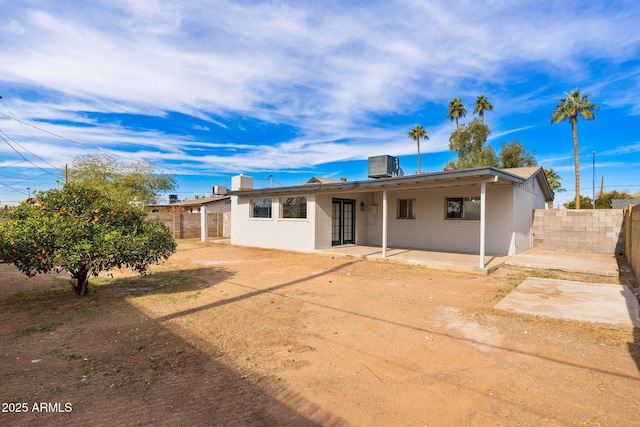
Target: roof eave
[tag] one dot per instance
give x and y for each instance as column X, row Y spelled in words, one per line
column 488, row 171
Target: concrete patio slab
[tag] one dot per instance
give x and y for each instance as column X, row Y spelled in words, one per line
column 430, row 259
column 612, row 304
column 598, row 264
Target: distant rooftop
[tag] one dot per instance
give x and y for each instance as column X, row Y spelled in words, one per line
column 320, row 180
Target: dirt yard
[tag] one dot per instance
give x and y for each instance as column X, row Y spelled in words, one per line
column 228, row 336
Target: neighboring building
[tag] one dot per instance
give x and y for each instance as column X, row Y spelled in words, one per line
column 623, row 203
column 440, row 211
column 185, row 219
column 214, row 204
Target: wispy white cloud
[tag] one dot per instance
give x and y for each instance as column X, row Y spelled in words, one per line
column 333, row 72
column 621, row 150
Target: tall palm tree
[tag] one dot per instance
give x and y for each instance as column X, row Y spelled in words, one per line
column 482, row 105
column 575, row 104
column 554, row 178
column 456, row 110
column 416, row 133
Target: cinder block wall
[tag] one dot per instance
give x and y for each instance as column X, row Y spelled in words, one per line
column 586, row 230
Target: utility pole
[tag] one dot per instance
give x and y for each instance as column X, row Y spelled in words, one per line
column 594, row 180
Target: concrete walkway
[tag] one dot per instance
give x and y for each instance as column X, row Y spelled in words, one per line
column 429, row 259
column 563, row 299
column 598, row 264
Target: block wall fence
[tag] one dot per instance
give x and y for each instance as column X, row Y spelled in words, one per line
column 596, row 231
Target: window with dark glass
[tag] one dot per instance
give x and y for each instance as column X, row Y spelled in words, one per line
column 463, row 208
column 260, row 208
column 293, row 207
column 406, row 209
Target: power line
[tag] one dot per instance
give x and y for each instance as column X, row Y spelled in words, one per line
column 22, row 181
column 20, row 154
column 81, row 143
column 64, row 137
column 11, row 164
column 19, row 145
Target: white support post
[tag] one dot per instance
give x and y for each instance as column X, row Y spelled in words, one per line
column 483, row 209
column 204, row 223
column 384, row 224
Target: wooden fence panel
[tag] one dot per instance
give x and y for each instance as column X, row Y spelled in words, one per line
column 186, row 225
column 632, row 238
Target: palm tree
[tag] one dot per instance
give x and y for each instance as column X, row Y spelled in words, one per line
column 416, row 133
column 572, row 105
column 554, row 178
column 482, row 105
column 456, row 110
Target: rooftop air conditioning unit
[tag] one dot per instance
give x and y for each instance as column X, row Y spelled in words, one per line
column 241, row 182
column 384, row 166
column 219, row 190
column 173, row 198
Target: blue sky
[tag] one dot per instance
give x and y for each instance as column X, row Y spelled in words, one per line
column 205, row 90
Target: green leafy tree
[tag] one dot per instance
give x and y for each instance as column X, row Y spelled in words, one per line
column 476, row 157
column 136, row 181
column 575, row 104
column 586, row 202
column 514, row 155
column 83, row 231
column 482, row 105
column 470, row 143
column 604, row 200
column 456, row 111
column 471, row 137
column 416, row 133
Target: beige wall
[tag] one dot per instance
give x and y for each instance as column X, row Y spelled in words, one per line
column 527, row 197
column 431, row 230
column 323, row 222
column 219, row 206
column 632, row 238
column 277, row 233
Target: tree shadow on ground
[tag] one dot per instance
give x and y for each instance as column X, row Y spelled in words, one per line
column 163, row 282
column 116, row 366
column 54, row 292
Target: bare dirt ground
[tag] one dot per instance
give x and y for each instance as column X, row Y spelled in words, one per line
column 222, row 335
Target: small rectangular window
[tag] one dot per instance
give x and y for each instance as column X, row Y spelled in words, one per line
column 293, row 207
column 406, row 209
column 463, row 208
column 260, row 208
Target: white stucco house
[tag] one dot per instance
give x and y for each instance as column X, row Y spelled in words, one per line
column 477, row 211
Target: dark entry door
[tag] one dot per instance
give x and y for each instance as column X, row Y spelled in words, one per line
column 343, row 222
